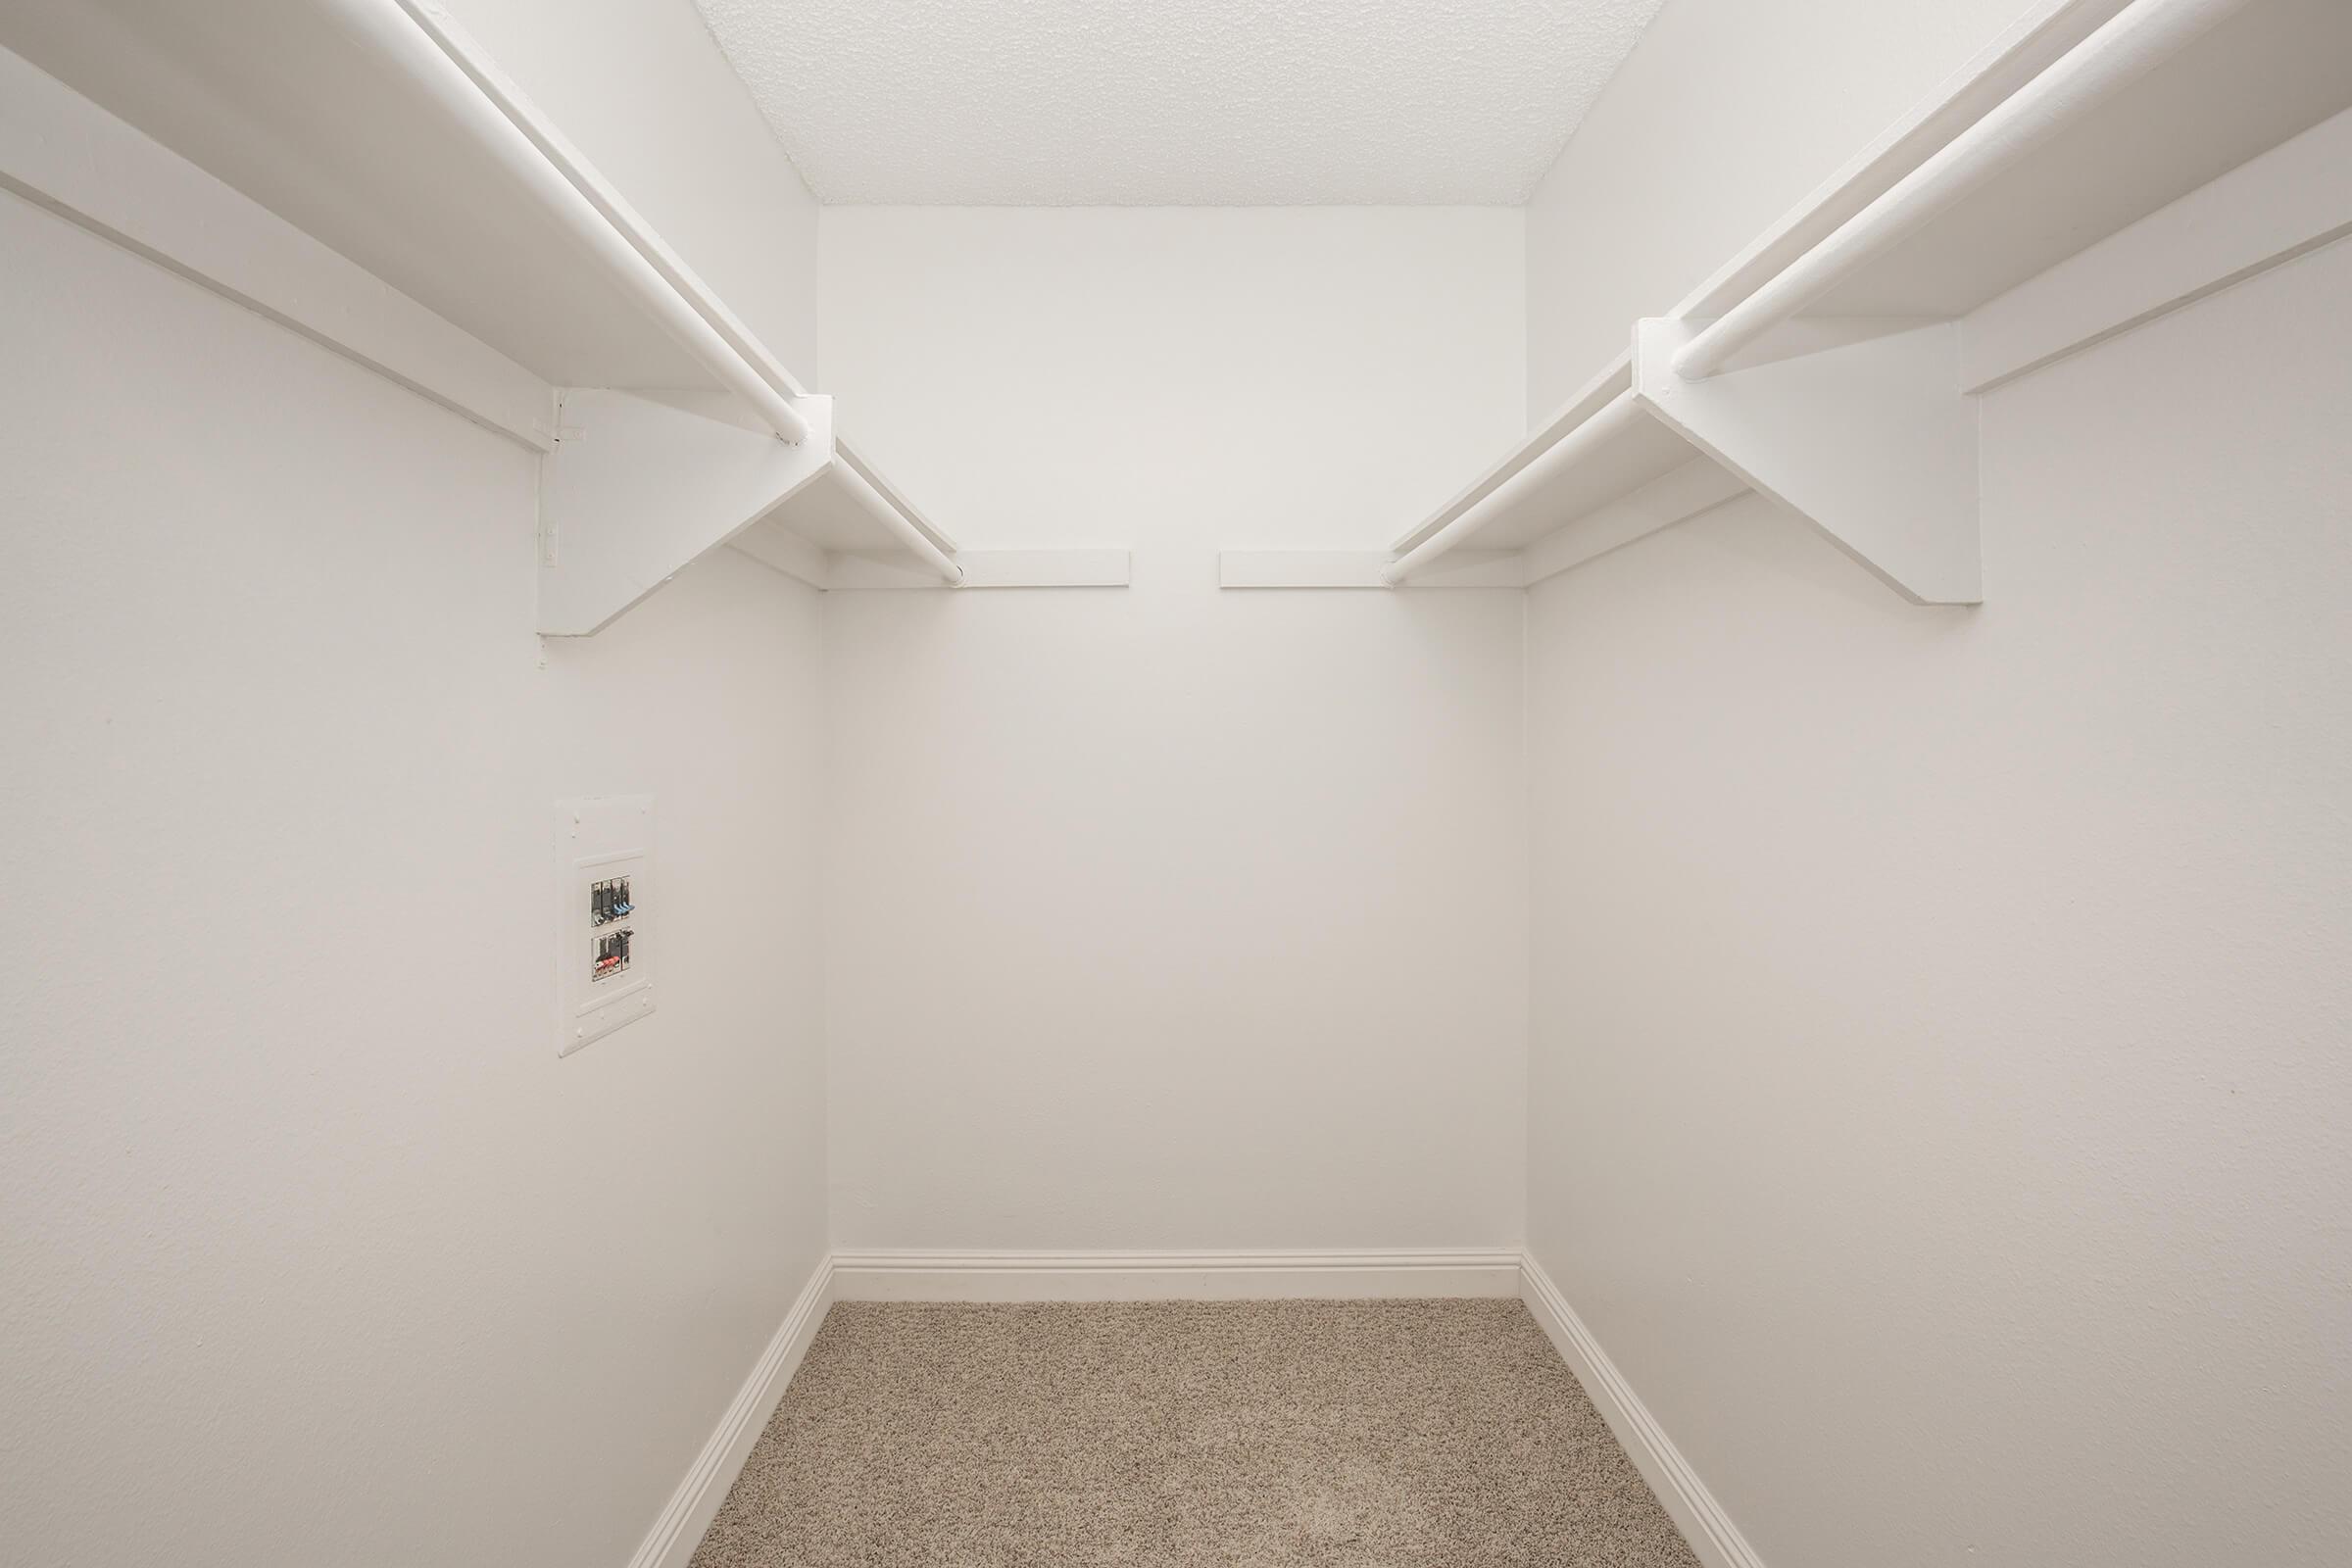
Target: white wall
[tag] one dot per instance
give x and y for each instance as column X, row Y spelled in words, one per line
column 1169, row 917
column 1937, row 1094
column 315, row 1251
column 640, row 89
column 1726, row 115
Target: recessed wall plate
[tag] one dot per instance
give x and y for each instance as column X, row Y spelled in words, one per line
column 605, row 916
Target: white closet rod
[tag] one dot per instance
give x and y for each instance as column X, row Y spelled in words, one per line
column 1612, row 417
column 891, row 517
column 2133, row 40
column 444, row 63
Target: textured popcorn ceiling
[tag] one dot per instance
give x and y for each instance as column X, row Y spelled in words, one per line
column 1175, row 102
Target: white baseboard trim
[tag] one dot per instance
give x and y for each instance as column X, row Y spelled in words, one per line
column 929, row 1276
column 691, row 1508
column 1694, row 1510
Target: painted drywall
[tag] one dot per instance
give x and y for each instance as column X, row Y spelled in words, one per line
column 315, row 1251
column 1040, row 103
column 640, row 89
column 1937, row 1096
column 1724, row 117
column 1169, row 916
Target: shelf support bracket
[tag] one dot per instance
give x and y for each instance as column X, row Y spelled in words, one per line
column 640, row 486
column 1871, row 442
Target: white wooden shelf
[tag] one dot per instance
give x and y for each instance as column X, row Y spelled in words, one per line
column 1602, row 471
column 2104, row 162
column 2088, row 117
column 300, row 155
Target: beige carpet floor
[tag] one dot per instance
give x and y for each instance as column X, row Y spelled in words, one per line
column 1187, row 1435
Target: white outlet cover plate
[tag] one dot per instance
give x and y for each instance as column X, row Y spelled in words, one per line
column 596, row 837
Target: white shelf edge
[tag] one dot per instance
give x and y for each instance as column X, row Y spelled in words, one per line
column 67, row 153
column 1698, row 485
column 1603, row 469
column 421, row 40
column 502, row 91
column 2282, row 203
column 2028, row 47
column 2020, row 125
column 1616, row 378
